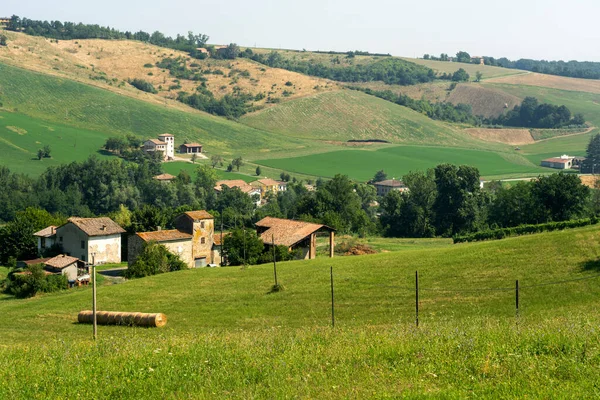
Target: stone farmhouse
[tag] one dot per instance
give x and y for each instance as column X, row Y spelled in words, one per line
column 82, row 237
column 192, row 240
column 295, row 235
column 562, row 162
column 71, row 267
column 242, row 185
column 164, row 144
column 384, row 187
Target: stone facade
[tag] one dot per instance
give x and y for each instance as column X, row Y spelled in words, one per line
column 78, row 244
column 181, row 247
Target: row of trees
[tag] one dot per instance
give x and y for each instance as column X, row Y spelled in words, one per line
column 389, row 70
column 533, row 114
column 70, row 30
column 575, row 69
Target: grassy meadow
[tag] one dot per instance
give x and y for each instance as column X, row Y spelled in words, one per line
column 227, row 336
column 398, row 160
column 174, row 168
column 450, row 67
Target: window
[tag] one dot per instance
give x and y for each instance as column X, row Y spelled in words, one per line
column 60, row 239
column 202, row 240
column 43, row 243
column 202, row 224
column 83, row 244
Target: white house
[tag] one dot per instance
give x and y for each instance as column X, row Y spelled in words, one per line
column 82, row 237
column 165, row 144
column 45, row 238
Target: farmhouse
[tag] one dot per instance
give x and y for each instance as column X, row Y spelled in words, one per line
column 46, row 238
column 84, row 237
column 69, row 266
column 562, row 162
column 477, row 60
column 190, row 148
column 240, row 184
column 165, row 144
column 266, row 185
column 192, row 239
column 295, row 235
column 384, row 187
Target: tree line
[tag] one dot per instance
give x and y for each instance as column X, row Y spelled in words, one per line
column 70, row 30
column 573, row 69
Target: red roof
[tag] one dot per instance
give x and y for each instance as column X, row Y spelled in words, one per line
column 191, row 145
column 156, row 141
column 46, row 232
column 198, row 215
column 287, row 232
column 165, row 134
column 163, row 236
column 390, row 183
column 164, row 177
column 557, row 160
column 61, row 261
column 102, row 226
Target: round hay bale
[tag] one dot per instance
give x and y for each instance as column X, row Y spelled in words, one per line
column 123, row 318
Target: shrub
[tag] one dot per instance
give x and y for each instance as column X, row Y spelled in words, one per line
column 142, row 85
column 154, row 259
column 148, row 65
column 34, row 282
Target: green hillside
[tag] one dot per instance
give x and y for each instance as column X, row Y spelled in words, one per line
column 397, row 161
column 345, row 115
column 450, row 67
column 61, row 102
column 227, row 336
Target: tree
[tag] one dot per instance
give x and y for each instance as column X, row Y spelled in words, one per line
column 478, row 76
column 148, row 218
column 194, row 158
column 2, row 40
column 40, row 154
column 242, row 247
column 215, row 160
column 34, row 281
column 258, row 171
column 463, row 57
column 237, row 162
column 230, row 52
column 460, row 76
column 285, row 177
column 47, row 151
column 591, row 165
column 379, row 176
column 154, row 259
column 562, row 196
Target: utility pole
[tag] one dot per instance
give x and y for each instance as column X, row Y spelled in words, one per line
column 274, row 261
column 222, row 242
column 94, row 296
column 244, row 246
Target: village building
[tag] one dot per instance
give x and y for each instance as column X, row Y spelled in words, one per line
column 384, row 187
column 252, row 191
column 295, row 235
column 192, row 239
column 164, row 177
column 266, row 185
column 190, row 148
column 46, row 238
column 478, row 60
column 281, row 186
column 91, row 239
column 164, row 144
column 562, row 162
column 71, row 267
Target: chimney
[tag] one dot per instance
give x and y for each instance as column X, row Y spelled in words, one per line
column 103, row 227
column 51, row 230
column 158, row 228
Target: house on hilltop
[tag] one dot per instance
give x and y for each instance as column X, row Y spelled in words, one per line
column 295, row 235
column 164, row 144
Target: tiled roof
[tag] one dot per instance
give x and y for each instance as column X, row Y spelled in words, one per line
column 102, row 226
column 287, row 232
column 238, row 183
column 218, row 239
column 163, row 236
column 61, row 261
column 192, row 145
column 165, row 134
column 156, row 141
column 164, row 177
column 267, row 182
column 35, row 261
column 198, row 215
column 390, row 182
column 46, row 232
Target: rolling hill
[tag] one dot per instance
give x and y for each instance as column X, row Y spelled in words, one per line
column 228, row 336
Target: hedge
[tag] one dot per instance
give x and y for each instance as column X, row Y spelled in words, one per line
column 501, row 233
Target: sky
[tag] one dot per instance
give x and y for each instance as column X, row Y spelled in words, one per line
column 548, row 29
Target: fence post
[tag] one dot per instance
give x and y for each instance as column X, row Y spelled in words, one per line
column 517, row 298
column 417, row 298
column 332, row 300
column 94, row 320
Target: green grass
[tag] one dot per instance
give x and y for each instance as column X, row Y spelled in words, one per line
column 227, row 336
column 346, row 114
column 97, row 114
column 472, row 69
column 22, row 136
column 174, row 168
column 397, row 161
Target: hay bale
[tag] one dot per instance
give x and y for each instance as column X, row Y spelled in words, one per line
column 155, row 320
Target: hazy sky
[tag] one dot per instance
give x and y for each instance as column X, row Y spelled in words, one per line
column 539, row 29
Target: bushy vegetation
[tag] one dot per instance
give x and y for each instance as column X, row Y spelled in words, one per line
column 70, row 30
column 33, row 280
column 532, row 114
column 143, row 85
column 389, row 70
column 502, row 233
column 154, row 259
